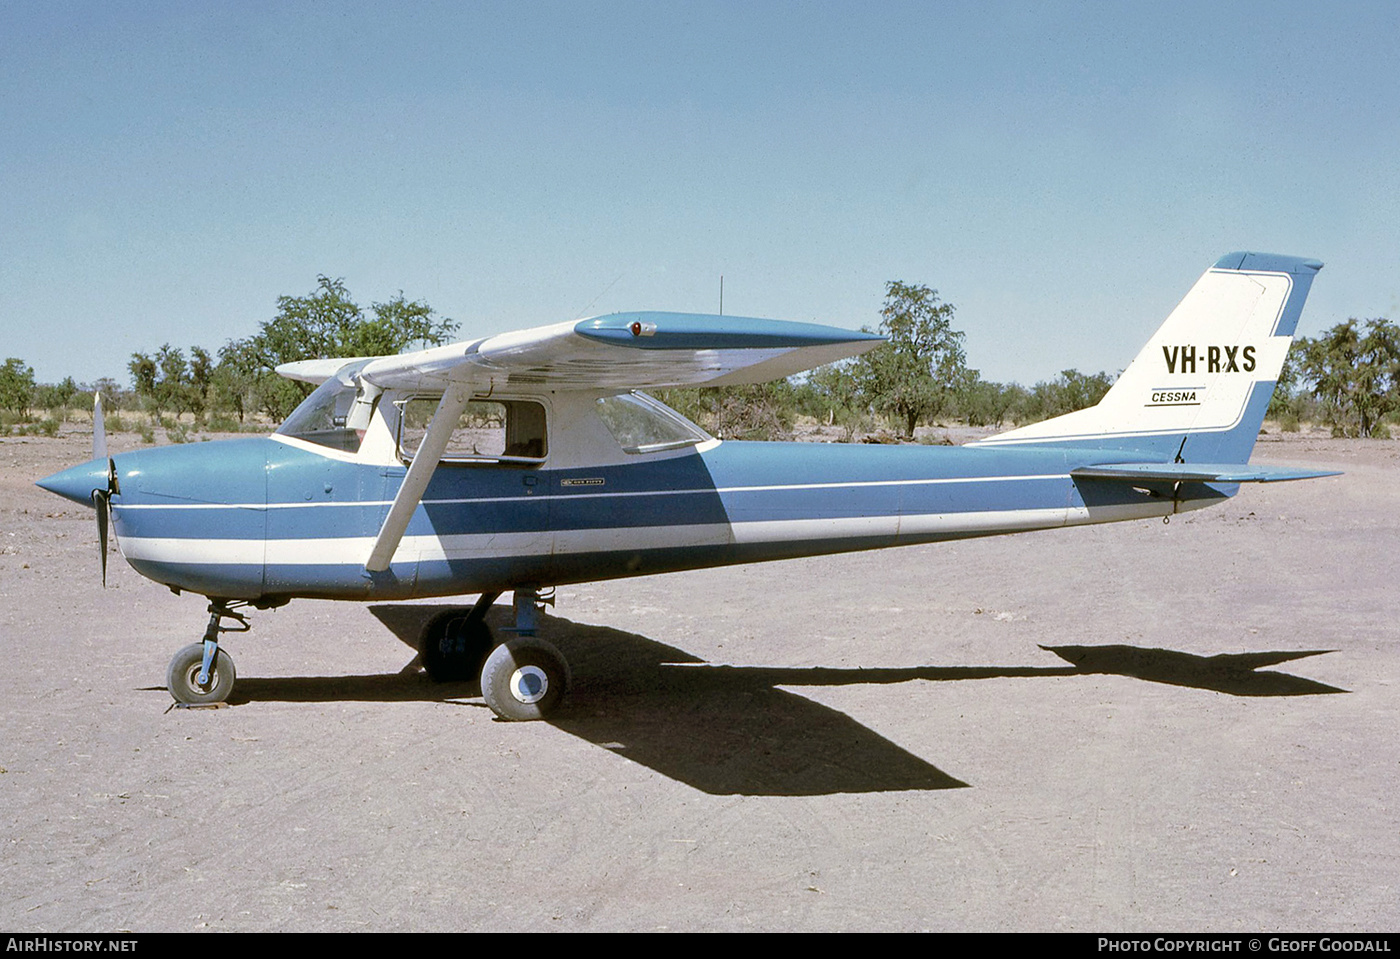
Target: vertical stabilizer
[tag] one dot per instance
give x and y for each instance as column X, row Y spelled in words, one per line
column 1200, row 386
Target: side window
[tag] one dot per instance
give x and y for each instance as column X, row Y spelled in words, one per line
column 488, row 431
column 640, row 424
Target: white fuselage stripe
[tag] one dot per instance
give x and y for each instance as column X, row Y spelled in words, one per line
column 353, row 550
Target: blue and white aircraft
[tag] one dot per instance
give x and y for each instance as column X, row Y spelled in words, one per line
column 528, row 460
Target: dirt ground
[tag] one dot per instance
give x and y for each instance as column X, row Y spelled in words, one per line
column 1133, row 727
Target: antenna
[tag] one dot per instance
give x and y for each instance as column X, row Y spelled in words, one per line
column 598, row 297
column 721, row 294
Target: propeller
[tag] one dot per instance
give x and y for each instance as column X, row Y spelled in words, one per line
column 93, row 483
column 102, row 498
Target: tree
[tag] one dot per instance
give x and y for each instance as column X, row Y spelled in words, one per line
column 201, row 379
column 324, row 323
column 1070, row 391
column 835, row 386
column 1355, row 371
column 16, row 386
column 230, row 387
column 58, row 396
column 1282, row 403
column 143, row 378
column 327, row 323
column 168, row 381
column 983, row 403
column 922, row 368
column 113, row 396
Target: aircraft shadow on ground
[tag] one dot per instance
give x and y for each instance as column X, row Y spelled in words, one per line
column 730, row 729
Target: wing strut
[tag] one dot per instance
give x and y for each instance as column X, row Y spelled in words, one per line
column 420, row 471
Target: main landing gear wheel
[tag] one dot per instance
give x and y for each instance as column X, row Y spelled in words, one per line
column 524, row 679
column 182, row 679
column 454, row 644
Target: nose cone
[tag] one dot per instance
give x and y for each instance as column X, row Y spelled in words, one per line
column 78, row 482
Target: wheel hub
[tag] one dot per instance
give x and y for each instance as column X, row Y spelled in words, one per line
column 193, row 678
column 528, row 684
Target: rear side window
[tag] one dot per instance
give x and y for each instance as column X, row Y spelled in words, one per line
column 488, row 431
column 641, row 424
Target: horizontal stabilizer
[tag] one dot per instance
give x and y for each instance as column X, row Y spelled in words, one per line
column 1198, row 472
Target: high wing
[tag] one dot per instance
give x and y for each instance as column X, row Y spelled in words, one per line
column 619, row 352
column 317, row 372
column 622, row 351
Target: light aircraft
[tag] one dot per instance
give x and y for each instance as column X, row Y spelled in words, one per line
column 528, row 460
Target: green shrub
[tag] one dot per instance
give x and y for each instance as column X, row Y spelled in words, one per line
column 223, row 423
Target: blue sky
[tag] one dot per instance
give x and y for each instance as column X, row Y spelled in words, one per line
column 1060, row 172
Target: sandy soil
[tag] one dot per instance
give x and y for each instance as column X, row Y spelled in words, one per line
column 874, row 741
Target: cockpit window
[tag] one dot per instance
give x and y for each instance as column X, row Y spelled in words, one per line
column 488, row 431
column 640, row 424
column 322, row 418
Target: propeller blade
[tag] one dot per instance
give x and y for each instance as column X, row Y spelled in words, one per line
column 99, row 429
column 100, row 501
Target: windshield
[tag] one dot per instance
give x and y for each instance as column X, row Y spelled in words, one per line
column 321, row 417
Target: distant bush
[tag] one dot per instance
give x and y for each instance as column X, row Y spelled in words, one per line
column 45, row 427
column 223, row 423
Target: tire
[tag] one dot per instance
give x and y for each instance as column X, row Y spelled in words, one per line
column 453, row 646
column 524, row 679
column 182, row 678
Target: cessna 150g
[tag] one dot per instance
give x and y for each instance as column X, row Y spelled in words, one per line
column 528, row 460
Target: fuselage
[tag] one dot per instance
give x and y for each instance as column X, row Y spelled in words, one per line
column 275, row 518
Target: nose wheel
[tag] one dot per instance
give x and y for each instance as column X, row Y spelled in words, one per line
column 191, row 683
column 202, row 673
